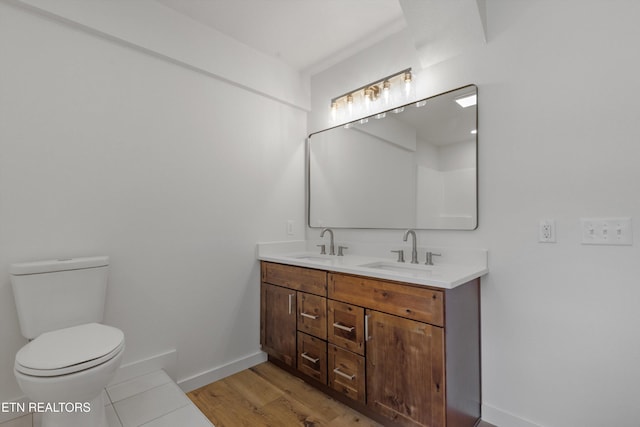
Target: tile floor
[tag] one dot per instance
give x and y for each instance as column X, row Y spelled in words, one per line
column 151, row 400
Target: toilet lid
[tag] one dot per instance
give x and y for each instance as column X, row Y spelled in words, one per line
column 69, row 350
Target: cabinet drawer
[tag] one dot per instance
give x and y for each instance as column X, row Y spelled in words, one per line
column 345, row 326
column 312, row 357
column 298, row 278
column 402, row 300
column 346, row 373
column 312, row 315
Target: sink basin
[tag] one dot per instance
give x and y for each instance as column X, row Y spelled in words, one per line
column 414, row 270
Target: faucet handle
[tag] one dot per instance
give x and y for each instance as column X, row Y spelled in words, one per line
column 400, row 253
column 323, row 249
column 430, row 256
column 340, row 249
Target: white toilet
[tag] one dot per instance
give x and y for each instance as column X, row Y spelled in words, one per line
column 71, row 357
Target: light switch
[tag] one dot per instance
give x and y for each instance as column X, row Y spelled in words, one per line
column 606, row 231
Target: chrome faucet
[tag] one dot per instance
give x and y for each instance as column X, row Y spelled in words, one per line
column 414, row 250
column 332, row 249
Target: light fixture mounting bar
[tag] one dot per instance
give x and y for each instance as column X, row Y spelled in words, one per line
column 368, row 85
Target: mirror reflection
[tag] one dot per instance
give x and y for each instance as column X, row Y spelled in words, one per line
column 411, row 167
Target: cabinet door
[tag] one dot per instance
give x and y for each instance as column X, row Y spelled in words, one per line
column 312, row 315
column 278, row 323
column 405, row 370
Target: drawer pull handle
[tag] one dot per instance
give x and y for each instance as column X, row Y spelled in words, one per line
column 291, row 301
column 342, row 374
column 309, row 358
column 344, row 328
column 310, row 316
column 366, row 328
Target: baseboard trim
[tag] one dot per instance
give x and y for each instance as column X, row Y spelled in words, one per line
column 167, row 361
column 207, row 377
column 500, row 418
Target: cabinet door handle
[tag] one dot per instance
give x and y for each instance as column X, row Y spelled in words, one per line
column 342, row 374
column 291, row 302
column 366, row 328
column 310, row 316
column 344, row 328
column 309, row 358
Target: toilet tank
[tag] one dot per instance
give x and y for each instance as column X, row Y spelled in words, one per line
column 59, row 293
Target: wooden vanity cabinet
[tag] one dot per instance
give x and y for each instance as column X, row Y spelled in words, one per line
column 293, row 318
column 407, row 355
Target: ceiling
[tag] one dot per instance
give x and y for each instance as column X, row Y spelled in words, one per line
column 312, row 35
column 302, row 33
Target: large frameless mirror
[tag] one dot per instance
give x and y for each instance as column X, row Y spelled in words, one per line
column 411, row 167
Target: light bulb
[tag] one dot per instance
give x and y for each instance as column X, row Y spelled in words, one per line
column 334, row 111
column 386, row 92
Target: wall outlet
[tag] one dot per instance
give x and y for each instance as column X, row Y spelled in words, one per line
column 547, row 231
column 290, row 229
column 606, row 231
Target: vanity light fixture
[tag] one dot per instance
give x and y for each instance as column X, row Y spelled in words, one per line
column 375, row 96
column 467, row 101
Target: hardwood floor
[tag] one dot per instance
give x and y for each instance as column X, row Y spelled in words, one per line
column 267, row 396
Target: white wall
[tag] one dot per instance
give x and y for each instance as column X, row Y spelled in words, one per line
column 107, row 149
column 558, row 128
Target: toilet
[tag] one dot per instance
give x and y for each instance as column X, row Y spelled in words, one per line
column 71, row 356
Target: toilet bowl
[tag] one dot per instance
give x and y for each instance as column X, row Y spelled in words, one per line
column 65, row 371
column 71, row 356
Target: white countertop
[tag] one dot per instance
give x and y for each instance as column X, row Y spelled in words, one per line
column 443, row 274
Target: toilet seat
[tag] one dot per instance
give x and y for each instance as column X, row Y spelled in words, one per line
column 69, row 350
